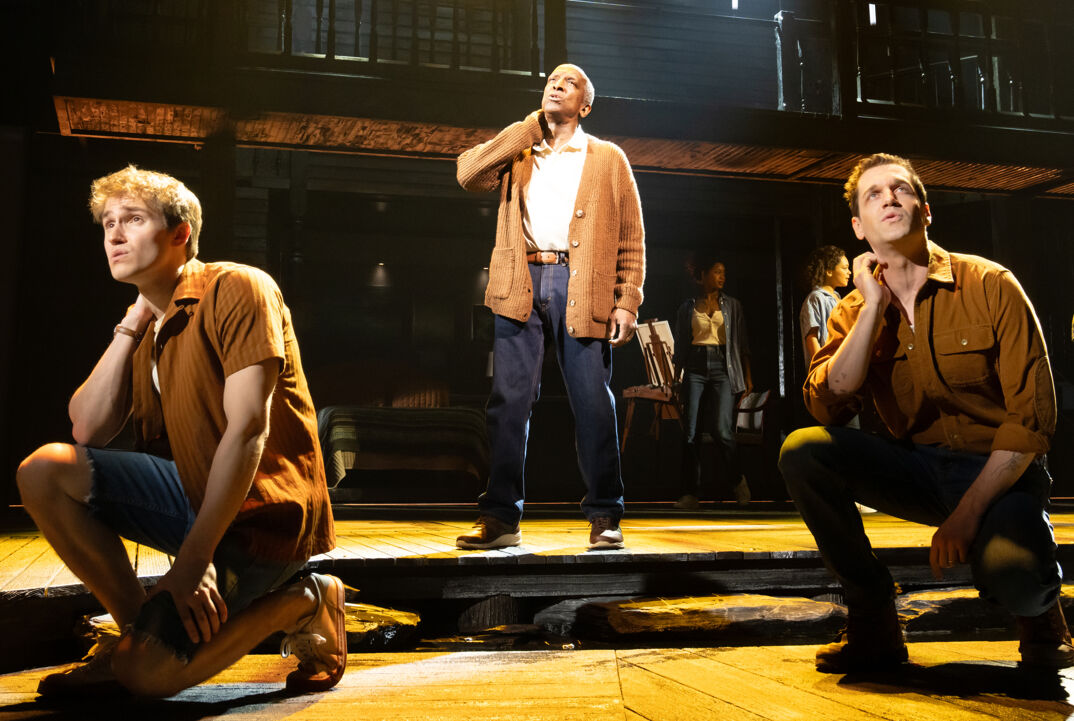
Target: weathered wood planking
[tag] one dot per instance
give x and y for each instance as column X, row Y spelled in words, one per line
column 730, row 551
column 949, row 681
column 342, row 134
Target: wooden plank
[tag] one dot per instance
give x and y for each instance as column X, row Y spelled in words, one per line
column 793, row 666
column 11, row 543
column 666, row 540
column 150, row 563
column 21, row 564
column 716, row 676
column 353, row 546
column 654, row 696
column 757, row 683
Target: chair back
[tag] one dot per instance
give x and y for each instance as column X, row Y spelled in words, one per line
column 750, row 416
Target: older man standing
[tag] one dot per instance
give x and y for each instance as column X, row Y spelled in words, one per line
column 568, row 267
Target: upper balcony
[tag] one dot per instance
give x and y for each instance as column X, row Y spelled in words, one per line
column 977, row 91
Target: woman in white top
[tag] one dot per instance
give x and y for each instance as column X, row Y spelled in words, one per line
column 712, row 351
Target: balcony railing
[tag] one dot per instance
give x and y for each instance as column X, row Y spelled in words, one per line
column 492, row 35
column 999, row 61
column 993, row 57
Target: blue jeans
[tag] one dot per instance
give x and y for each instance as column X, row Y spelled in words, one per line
column 140, row 497
column 586, row 365
column 705, row 378
column 827, row 469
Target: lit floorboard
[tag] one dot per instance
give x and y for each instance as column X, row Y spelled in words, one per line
column 947, row 681
column 27, row 564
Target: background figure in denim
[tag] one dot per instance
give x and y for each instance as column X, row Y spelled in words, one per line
column 712, row 354
column 949, row 350
column 566, row 271
column 827, row 269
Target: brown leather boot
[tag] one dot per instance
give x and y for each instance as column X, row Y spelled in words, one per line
column 1044, row 640
column 872, row 641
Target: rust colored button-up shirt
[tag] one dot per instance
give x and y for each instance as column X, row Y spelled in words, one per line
column 971, row 375
column 224, row 317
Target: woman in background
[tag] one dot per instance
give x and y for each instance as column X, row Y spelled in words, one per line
column 826, row 270
column 712, row 352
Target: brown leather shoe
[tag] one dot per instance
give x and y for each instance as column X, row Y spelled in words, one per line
column 1044, row 640
column 490, row 532
column 604, row 533
column 93, row 678
column 872, row 641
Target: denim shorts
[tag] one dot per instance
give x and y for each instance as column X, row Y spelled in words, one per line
column 139, row 496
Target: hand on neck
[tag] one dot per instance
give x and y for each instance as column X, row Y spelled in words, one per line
column 158, row 292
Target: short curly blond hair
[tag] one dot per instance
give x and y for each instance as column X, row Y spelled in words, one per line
column 850, row 189
column 161, row 192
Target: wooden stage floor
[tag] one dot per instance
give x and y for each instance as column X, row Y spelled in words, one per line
column 948, row 681
column 399, row 558
column 726, row 551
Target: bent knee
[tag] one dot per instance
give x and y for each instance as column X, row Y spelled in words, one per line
column 53, row 467
column 1024, row 580
column 802, row 445
column 147, row 669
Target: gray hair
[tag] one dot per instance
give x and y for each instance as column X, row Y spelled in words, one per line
column 590, row 91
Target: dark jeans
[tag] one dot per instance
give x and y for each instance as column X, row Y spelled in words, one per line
column 828, row 469
column 705, row 378
column 586, row 364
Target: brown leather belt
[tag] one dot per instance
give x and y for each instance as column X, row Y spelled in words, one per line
column 546, row 257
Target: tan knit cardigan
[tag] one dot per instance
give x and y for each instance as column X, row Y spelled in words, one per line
column 606, row 234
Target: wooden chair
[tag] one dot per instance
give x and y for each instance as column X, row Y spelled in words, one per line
column 657, row 347
column 750, row 417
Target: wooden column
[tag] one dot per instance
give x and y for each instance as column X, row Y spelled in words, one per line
column 555, row 33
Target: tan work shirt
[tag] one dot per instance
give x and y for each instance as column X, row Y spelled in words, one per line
column 972, row 375
column 222, row 318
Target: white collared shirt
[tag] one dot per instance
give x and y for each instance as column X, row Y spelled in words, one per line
column 551, row 193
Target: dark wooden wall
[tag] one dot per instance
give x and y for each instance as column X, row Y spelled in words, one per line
column 322, row 223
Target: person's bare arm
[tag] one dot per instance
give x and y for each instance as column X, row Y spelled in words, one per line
column 192, row 578
column 101, row 405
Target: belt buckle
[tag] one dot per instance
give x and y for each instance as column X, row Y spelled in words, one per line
column 548, row 257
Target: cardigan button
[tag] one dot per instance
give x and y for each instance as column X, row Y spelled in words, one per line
column 579, row 213
column 570, row 329
column 574, row 243
column 964, row 341
column 571, row 303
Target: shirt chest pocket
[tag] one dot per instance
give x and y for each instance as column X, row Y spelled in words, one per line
column 965, row 356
